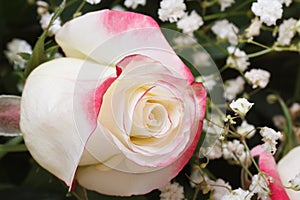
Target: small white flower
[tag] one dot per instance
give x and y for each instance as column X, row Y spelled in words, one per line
column 237, row 59
column 220, row 189
column 287, row 31
column 93, row 1
column 238, row 194
column 260, row 186
column 215, row 151
column 190, row 23
column 172, row 191
column 45, row 20
column 295, row 110
column 268, row 11
column 184, row 41
column 241, row 106
column 254, row 28
column 201, row 59
column 258, row 78
column 209, row 81
column 286, row 2
column 269, row 137
column 234, row 150
column 226, row 3
column 171, row 10
column 279, row 121
column 246, row 129
column 134, row 3
column 295, row 182
column 42, row 7
column 118, row 8
column 197, row 176
column 233, row 87
column 15, row 47
column 225, row 30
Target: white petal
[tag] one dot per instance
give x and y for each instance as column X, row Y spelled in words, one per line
column 59, row 109
column 288, row 167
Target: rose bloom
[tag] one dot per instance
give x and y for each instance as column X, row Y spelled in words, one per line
column 121, row 113
column 282, row 172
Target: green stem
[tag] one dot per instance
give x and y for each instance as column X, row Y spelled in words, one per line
column 259, row 53
column 77, row 12
column 12, row 145
column 222, row 15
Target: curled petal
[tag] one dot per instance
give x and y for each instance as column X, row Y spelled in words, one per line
column 59, row 109
column 268, row 165
column 288, row 167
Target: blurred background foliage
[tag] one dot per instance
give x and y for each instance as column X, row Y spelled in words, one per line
column 22, row 178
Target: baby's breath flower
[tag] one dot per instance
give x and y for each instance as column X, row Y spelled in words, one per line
column 201, row 59
column 225, row 30
column 238, row 194
column 258, row 78
column 254, row 28
column 134, row 3
column 287, row 31
column 279, row 121
column 269, row 137
column 241, row 106
column 171, row 10
column 118, row 8
column 237, row 59
column 286, row 2
column 93, row 1
column 220, row 189
column 268, row 11
column 215, row 151
column 42, row 7
column 15, row 47
column 260, row 186
column 226, row 3
column 246, row 129
column 190, row 23
column 235, row 150
column 184, row 41
column 172, row 191
column 295, row 182
column 45, row 20
column 233, row 87
column 295, row 110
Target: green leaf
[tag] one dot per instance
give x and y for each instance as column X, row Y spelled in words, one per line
column 25, row 56
column 38, row 55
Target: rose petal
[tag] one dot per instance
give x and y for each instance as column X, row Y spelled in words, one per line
column 9, row 115
column 59, row 109
column 267, row 165
column 288, row 167
column 113, row 35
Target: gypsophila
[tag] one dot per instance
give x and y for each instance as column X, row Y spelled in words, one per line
column 45, row 20
column 184, row 41
column 286, row 31
column 233, row 87
column 215, row 151
column 190, row 23
column 15, row 47
column 269, row 137
column 295, row 110
column 134, row 3
column 171, row 10
column 245, row 129
column 260, row 186
column 93, row 1
column 42, row 7
column 234, row 150
column 219, row 189
column 237, row 59
column 241, row 106
column 172, row 191
column 286, row 2
column 201, row 59
column 226, row 31
column 225, row 4
column 267, row 10
column 279, row 121
column 118, row 8
column 258, row 78
column 238, row 194
column 254, row 28
column 209, row 81
column 295, row 182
